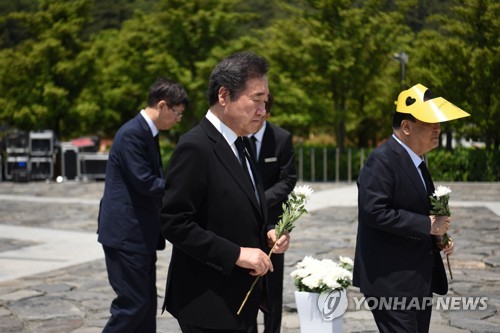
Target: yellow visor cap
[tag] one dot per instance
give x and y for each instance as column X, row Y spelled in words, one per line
column 433, row 110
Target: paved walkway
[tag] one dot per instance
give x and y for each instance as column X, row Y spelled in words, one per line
column 53, row 278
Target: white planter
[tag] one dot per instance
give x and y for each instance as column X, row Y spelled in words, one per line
column 311, row 317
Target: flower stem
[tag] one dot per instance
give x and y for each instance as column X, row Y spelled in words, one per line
column 254, row 283
column 248, row 294
column 449, row 267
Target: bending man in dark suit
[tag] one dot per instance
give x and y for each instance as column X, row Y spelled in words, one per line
column 276, row 162
column 129, row 215
column 214, row 213
column 397, row 258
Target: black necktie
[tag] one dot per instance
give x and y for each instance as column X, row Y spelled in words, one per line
column 240, row 146
column 157, row 144
column 253, row 139
column 254, row 142
column 427, row 178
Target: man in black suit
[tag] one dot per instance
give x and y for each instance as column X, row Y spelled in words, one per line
column 397, row 255
column 215, row 212
column 273, row 151
column 129, row 215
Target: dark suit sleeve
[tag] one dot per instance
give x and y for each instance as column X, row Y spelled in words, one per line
column 387, row 202
column 278, row 192
column 185, row 190
column 134, row 153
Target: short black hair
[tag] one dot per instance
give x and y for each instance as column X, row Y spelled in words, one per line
column 269, row 103
column 169, row 91
column 233, row 72
column 398, row 117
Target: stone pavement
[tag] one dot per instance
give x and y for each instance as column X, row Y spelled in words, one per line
column 53, row 277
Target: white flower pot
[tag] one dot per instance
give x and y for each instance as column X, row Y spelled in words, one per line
column 311, row 317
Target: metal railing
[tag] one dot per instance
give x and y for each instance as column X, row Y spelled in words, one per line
column 331, row 164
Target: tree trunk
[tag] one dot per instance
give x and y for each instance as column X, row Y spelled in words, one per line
column 449, row 139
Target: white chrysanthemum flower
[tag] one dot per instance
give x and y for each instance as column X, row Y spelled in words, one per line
column 300, row 273
column 315, row 275
column 311, row 281
column 442, row 191
column 346, row 260
column 332, row 283
column 306, row 262
column 303, row 191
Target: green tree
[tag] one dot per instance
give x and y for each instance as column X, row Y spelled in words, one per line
column 42, row 76
column 332, row 70
column 124, row 64
column 415, row 12
column 337, row 55
column 176, row 40
column 193, row 29
column 459, row 60
column 110, row 14
column 293, row 76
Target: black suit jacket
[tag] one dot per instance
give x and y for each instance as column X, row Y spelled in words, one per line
column 276, row 164
column 129, row 214
column 210, row 211
column 395, row 254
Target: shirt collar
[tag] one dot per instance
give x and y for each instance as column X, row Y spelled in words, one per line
column 414, row 157
column 226, row 132
column 260, row 133
column 151, row 124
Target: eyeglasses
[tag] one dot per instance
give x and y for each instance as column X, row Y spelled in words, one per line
column 177, row 113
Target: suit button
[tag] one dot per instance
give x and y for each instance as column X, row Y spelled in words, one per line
column 431, row 252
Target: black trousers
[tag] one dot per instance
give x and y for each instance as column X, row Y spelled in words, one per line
column 272, row 318
column 406, row 317
column 186, row 328
column 133, row 278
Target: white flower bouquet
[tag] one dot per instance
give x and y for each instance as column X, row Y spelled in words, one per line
column 440, row 207
column 293, row 208
column 439, row 201
column 317, row 276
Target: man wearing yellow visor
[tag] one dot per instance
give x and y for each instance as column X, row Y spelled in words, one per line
column 398, row 265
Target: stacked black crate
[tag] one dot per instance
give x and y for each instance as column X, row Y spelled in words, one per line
column 70, row 169
column 42, row 154
column 81, row 159
column 92, row 163
column 17, row 159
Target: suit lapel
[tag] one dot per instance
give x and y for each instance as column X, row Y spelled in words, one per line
column 267, row 149
column 230, row 162
column 150, row 140
column 259, row 184
column 409, row 168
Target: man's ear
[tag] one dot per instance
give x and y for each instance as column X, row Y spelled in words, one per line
column 223, row 96
column 161, row 104
column 405, row 126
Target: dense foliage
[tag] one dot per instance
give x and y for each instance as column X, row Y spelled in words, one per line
column 83, row 67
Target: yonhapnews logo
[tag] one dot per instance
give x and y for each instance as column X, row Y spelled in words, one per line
column 332, row 304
